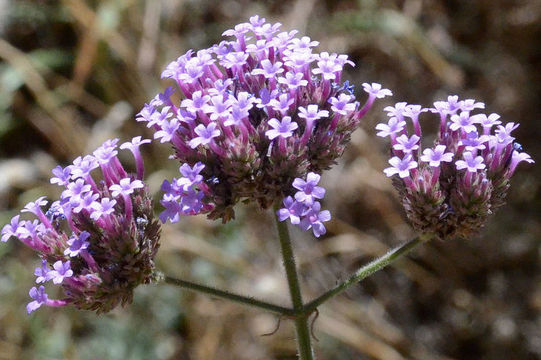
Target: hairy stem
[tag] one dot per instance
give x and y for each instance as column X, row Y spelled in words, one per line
column 244, row 300
column 304, row 345
column 366, row 271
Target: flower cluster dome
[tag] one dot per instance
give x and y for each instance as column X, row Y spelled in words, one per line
column 451, row 188
column 256, row 113
column 99, row 240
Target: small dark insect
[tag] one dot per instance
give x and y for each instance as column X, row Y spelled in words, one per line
column 517, row 147
column 347, row 87
column 213, row 180
column 55, row 216
column 141, row 222
column 448, row 211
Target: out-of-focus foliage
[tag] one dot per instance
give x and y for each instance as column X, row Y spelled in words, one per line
column 74, row 72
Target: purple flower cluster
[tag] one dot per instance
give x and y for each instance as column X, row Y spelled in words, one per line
column 303, row 209
column 451, row 188
column 257, row 112
column 99, row 240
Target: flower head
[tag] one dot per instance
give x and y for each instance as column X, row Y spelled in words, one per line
column 260, row 109
column 89, row 243
column 464, row 178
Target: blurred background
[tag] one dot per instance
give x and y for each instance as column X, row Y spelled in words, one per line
column 75, row 72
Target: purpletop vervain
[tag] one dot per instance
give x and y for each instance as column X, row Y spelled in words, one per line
column 259, row 111
column 451, row 188
column 99, row 240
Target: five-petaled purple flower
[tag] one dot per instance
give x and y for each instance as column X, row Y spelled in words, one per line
column 435, row 156
column 283, row 129
column 400, row 166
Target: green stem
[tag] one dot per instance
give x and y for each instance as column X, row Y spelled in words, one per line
column 301, row 319
column 230, row 296
column 366, row 271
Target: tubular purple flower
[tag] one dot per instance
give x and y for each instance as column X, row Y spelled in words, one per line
column 283, row 129
column 487, row 122
column 393, row 127
column 463, row 122
column 61, row 271
column 375, row 91
column 42, row 272
column 40, row 298
column 470, row 163
column 12, row 229
column 400, row 166
column 517, row 158
column 77, row 244
column 435, row 156
column 206, row 134
column 133, row 146
column 293, row 210
column 407, row 144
